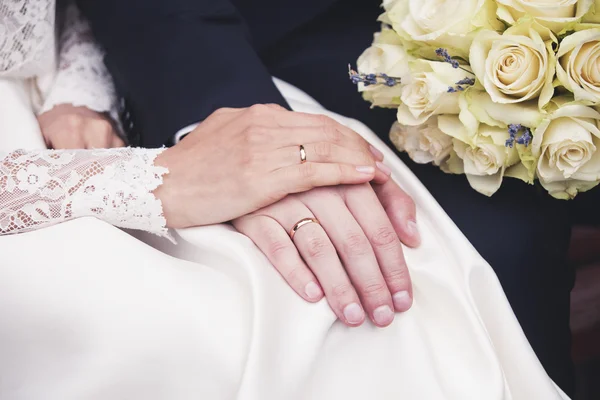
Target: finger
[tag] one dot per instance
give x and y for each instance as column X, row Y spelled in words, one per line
column 356, row 253
column 401, row 211
column 97, row 139
column 372, row 218
column 303, row 177
column 117, row 142
column 329, row 129
column 275, row 243
column 325, row 152
column 333, row 133
column 67, row 140
column 320, row 255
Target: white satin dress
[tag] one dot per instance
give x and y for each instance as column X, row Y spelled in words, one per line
column 88, row 311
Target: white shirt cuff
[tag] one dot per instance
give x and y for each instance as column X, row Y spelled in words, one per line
column 184, row 131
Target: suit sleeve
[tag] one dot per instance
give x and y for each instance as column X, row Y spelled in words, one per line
column 175, row 62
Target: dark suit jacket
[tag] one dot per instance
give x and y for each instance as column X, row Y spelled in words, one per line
column 176, row 61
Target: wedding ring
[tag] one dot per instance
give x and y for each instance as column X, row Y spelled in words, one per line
column 301, row 223
column 302, row 155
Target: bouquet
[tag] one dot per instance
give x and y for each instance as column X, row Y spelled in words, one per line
column 492, row 88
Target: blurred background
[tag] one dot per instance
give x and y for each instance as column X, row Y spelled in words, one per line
column 585, row 311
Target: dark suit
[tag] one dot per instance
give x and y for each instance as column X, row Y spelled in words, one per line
column 176, row 61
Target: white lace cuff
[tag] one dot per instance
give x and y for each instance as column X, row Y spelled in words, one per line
column 82, row 78
column 43, row 188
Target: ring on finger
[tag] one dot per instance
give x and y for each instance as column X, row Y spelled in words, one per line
column 302, row 154
column 301, row 223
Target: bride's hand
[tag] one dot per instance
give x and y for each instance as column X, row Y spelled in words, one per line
column 240, row 160
column 68, row 127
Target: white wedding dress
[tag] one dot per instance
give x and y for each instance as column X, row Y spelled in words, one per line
column 88, row 311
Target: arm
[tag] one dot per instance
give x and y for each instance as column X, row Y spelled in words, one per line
column 82, row 79
column 80, row 108
column 176, row 62
column 208, row 182
column 43, row 188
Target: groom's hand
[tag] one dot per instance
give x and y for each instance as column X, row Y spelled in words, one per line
column 353, row 255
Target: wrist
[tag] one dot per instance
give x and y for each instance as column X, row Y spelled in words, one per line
column 169, row 191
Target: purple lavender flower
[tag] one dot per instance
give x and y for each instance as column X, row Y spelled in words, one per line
column 524, row 139
column 372, row 79
column 441, row 52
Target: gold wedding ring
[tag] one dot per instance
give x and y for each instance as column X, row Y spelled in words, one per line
column 301, row 223
column 302, row 155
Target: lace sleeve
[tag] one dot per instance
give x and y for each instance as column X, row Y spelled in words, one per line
column 82, row 78
column 43, row 188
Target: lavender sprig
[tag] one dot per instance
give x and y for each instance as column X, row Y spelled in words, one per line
column 443, row 53
column 524, row 139
column 372, row 79
column 460, row 85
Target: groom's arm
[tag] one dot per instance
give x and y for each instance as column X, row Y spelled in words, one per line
column 175, row 62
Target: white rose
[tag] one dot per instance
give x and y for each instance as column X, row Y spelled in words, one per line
column 578, row 68
column 566, row 145
column 558, row 15
column 385, row 56
column 443, row 23
column 483, row 157
column 593, row 15
column 424, row 144
column 514, row 67
column 427, row 94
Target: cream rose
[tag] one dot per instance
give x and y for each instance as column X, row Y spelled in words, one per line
column 426, row 92
column 578, row 68
column 483, row 157
column 557, row 15
column 593, row 16
column 514, row 67
column 424, row 144
column 442, row 23
column 385, row 56
column 566, row 146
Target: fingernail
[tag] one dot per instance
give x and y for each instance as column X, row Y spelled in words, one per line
column 413, row 231
column 378, row 154
column 402, row 301
column 384, row 168
column 354, row 314
column 366, row 170
column 383, row 315
column 313, row 291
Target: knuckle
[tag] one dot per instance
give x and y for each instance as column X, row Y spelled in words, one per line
column 73, row 121
column 317, row 248
column 342, row 290
column 294, row 275
column 374, row 289
column 276, row 248
column 396, row 276
column 323, row 150
column 356, row 245
column 258, row 110
column 384, row 237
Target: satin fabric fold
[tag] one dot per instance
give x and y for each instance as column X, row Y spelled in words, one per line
column 91, row 312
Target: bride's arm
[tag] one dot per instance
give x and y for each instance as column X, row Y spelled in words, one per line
column 82, row 92
column 234, row 163
column 43, row 188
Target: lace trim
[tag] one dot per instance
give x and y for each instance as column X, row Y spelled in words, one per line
column 43, row 188
column 26, row 37
column 82, row 78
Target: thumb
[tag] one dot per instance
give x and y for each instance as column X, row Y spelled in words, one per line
column 401, row 211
